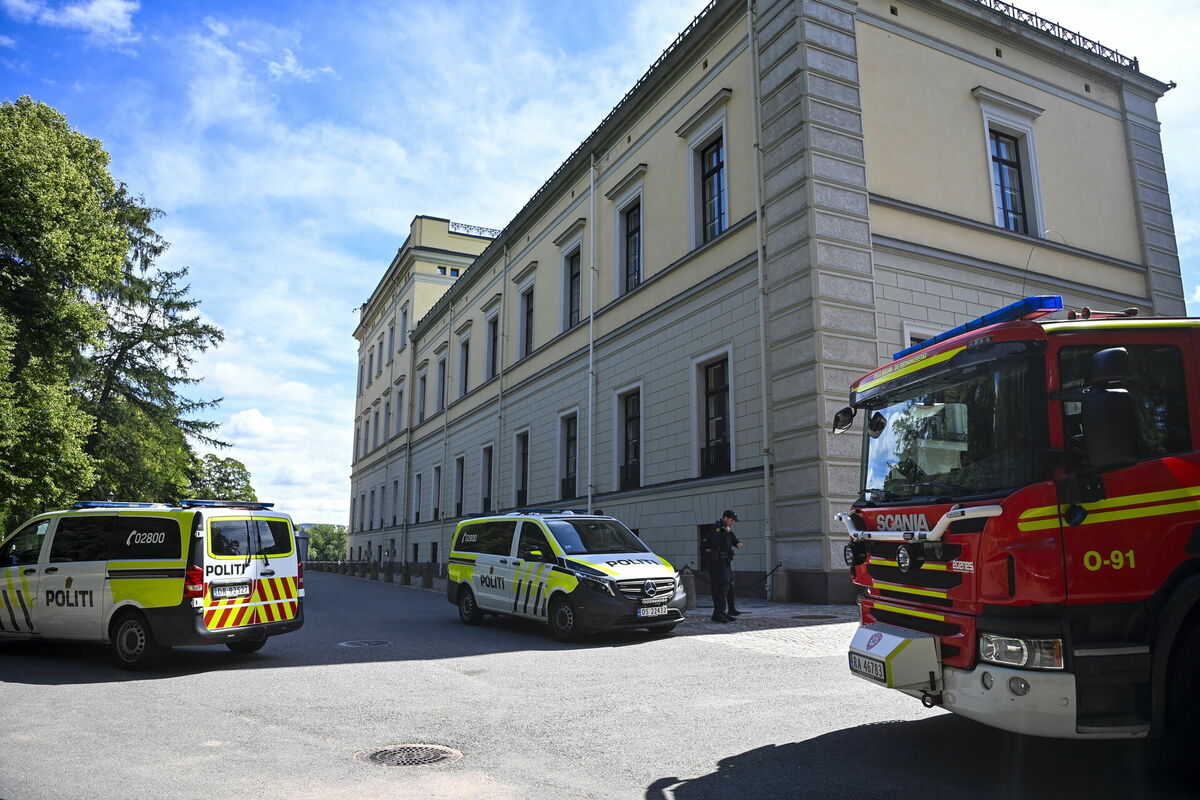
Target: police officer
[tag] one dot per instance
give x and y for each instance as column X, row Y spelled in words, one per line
column 719, row 547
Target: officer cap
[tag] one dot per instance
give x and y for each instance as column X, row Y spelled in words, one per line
column 730, row 513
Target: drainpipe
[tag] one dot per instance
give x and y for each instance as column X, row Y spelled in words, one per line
column 502, row 335
column 591, row 328
column 437, row 501
column 411, row 343
column 765, row 380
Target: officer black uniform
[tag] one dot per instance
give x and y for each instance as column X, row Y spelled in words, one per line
column 718, row 547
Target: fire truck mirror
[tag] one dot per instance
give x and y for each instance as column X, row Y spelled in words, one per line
column 876, row 424
column 1109, row 429
column 843, row 419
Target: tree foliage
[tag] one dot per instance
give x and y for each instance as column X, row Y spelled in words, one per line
column 327, row 542
column 221, row 479
column 96, row 340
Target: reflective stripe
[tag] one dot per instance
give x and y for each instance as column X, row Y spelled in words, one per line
column 914, row 364
column 1119, row 324
column 885, row 562
column 892, row 587
column 910, row 612
column 1146, row 504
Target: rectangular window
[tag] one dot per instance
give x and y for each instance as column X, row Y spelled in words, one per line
column 404, row 327
column 416, row 552
column 485, row 479
column 387, row 420
column 437, row 493
column 464, row 365
column 370, row 365
column 487, row 538
column 391, row 341
column 441, row 384
column 357, row 433
column 526, row 322
column 353, row 506
column 1157, row 385
column 714, row 455
column 371, row 513
column 568, row 487
column 459, row 475
column 395, row 503
column 416, row 504
column 399, row 410
column 383, row 506
column 361, row 367
column 631, row 441
column 379, row 363
column 493, row 348
column 420, row 399
column 631, row 247
column 367, row 435
column 375, row 441
column 362, row 512
column 433, row 546
column 572, row 280
column 712, row 189
column 521, row 473
column 1007, row 182
column 87, row 538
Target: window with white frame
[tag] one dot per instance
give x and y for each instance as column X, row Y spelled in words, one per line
column 371, row 513
column 630, row 249
column 492, row 358
column 460, row 469
column 440, row 400
column 375, row 440
column 361, row 367
column 395, row 501
column 416, row 498
column 399, row 410
column 357, row 433
column 371, row 365
column 421, row 390
column 629, row 439
column 437, row 493
column 403, row 327
column 713, row 189
column 367, row 435
column 572, row 288
column 521, row 469
column 391, row 341
column 714, row 414
column 387, row 419
column 464, row 366
column 568, row 456
column 383, row 505
column 379, row 363
column 485, row 478
column 914, row 334
column 1008, row 126
column 525, row 333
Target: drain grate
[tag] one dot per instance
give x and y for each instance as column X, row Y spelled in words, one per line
column 408, row 755
column 363, row 643
column 814, row 616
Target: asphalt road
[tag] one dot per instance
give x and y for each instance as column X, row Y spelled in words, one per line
column 761, row 709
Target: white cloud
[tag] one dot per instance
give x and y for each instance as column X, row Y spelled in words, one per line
column 7, row 41
column 289, row 67
column 107, row 22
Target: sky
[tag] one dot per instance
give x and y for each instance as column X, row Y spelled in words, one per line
column 290, row 144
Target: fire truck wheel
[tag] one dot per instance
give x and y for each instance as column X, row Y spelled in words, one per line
column 132, row 643
column 1184, row 686
column 468, row 609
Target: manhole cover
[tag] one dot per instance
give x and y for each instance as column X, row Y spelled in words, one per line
column 408, row 755
column 363, row 643
column 814, row 616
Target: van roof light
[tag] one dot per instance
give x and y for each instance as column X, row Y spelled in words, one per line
column 115, row 504
column 224, row 504
column 1029, row 308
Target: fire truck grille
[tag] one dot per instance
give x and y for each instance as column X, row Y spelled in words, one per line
column 916, row 623
column 933, row 601
column 924, row 578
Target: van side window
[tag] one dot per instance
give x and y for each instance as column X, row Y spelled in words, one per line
column 532, row 539
column 145, row 537
column 81, row 539
column 489, row 538
column 25, row 546
column 1160, row 404
column 274, row 536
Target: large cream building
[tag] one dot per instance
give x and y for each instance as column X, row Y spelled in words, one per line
column 791, row 193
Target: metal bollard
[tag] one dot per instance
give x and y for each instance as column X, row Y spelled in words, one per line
column 427, row 577
column 389, row 573
column 689, row 587
column 406, row 574
column 374, row 574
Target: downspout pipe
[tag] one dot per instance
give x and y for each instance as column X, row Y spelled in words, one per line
column 765, row 372
column 591, row 329
column 501, row 346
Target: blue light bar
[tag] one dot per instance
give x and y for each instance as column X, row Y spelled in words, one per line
column 1029, row 308
column 114, row 504
column 224, row 504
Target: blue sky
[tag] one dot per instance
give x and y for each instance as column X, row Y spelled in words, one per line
column 291, row 143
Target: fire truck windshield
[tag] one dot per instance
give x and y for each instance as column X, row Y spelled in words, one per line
column 963, row 433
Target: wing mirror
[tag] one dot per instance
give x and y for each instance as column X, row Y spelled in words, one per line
column 843, row 419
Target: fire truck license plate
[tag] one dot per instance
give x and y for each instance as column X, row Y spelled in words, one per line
column 870, row 667
column 223, row 590
column 652, row 611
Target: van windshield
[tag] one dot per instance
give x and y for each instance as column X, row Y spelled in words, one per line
column 595, row 536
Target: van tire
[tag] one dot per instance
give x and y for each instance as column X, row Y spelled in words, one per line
column 246, row 646
column 564, row 621
column 131, row 642
column 468, row 609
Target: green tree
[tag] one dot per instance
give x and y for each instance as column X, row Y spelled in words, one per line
column 221, row 479
column 327, row 542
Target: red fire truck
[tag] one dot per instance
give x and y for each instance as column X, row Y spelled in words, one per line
column 1028, row 527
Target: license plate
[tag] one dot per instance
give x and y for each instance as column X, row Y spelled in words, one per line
column 870, row 667
column 653, row 611
column 221, row 591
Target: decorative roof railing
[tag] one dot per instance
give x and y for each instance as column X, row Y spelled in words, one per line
column 474, row 230
column 1031, row 20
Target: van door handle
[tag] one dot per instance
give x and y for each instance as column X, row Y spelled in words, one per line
column 504, row 561
column 28, row 571
column 267, row 572
column 51, row 569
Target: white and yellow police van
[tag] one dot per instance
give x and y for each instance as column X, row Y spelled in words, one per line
column 146, row 576
column 580, row 573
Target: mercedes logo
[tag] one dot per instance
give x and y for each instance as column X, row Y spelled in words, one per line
column 650, row 589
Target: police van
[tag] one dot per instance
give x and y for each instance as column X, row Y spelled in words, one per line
column 577, row 572
column 146, row 576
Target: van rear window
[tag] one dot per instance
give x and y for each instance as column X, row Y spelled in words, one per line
column 243, row 537
column 145, row 537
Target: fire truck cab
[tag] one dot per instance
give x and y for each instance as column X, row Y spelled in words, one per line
column 1028, row 525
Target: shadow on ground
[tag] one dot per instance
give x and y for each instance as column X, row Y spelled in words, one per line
column 942, row 757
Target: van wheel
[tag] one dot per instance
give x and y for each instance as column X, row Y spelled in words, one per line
column 132, row 643
column 245, row 646
column 468, row 609
column 1184, row 698
column 564, row 622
